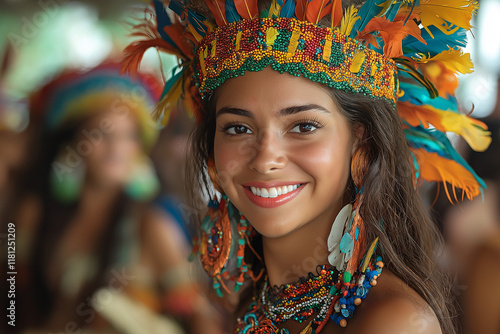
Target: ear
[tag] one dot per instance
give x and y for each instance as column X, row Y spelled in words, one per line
column 358, row 131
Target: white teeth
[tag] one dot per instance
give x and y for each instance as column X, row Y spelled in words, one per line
column 274, row 191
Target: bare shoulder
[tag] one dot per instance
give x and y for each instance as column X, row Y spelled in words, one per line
column 162, row 238
column 394, row 307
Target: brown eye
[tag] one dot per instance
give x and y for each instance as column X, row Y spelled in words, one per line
column 304, row 127
column 238, row 130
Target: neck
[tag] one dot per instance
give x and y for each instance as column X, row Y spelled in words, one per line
column 294, row 255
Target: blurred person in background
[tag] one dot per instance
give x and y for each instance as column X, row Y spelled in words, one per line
column 100, row 258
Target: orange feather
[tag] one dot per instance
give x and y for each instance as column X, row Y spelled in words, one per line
column 218, row 9
column 359, row 245
column 435, row 168
column 393, row 33
column 134, row 52
column 247, row 9
column 337, row 13
column 317, row 9
column 300, row 9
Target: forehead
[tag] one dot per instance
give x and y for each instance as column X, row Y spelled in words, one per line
column 271, row 89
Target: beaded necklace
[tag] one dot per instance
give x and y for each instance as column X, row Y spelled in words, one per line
column 324, row 293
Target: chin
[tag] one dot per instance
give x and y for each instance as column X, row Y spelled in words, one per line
column 270, row 226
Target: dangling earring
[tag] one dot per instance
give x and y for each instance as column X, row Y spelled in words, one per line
column 217, row 243
column 359, row 165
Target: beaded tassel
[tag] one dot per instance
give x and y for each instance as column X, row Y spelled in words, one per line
column 216, row 246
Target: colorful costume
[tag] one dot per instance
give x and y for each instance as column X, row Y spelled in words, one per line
column 406, row 52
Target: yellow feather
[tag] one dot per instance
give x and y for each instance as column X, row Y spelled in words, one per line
column 307, row 330
column 274, row 9
column 384, row 6
column 368, row 255
column 454, row 60
column 357, row 60
column 350, row 17
column 447, row 15
column 469, row 128
column 195, row 34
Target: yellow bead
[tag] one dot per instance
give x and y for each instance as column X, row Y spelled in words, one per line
column 343, row 323
column 357, row 301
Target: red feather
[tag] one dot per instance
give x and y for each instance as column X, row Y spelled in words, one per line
column 337, row 13
column 247, row 8
column 300, row 9
column 176, row 33
column 134, row 52
column 218, row 9
column 317, row 9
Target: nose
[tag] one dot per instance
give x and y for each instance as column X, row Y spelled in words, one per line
column 270, row 154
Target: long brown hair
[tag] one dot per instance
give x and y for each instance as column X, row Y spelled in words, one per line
column 392, row 209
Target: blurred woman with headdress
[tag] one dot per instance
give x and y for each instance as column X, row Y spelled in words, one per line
column 101, row 258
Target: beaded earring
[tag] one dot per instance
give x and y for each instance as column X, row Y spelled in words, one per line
column 225, row 232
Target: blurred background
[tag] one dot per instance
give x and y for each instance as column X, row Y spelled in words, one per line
column 69, row 262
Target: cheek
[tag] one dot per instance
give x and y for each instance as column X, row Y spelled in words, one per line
column 327, row 160
column 230, row 158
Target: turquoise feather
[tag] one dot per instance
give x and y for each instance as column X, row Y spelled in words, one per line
column 231, row 12
column 368, row 11
column 287, row 8
column 441, row 42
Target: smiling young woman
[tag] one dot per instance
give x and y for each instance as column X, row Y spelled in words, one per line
column 313, row 122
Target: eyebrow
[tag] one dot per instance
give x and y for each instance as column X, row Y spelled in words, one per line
column 283, row 112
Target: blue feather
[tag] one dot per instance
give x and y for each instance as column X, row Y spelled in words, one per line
column 162, row 21
column 368, row 11
column 392, row 11
column 441, row 42
column 288, row 8
column 177, row 7
column 231, row 12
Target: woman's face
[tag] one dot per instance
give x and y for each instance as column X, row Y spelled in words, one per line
column 115, row 146
column 282, row 150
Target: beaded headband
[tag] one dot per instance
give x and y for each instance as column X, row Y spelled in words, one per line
column 404, row 51
column 297, row 47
